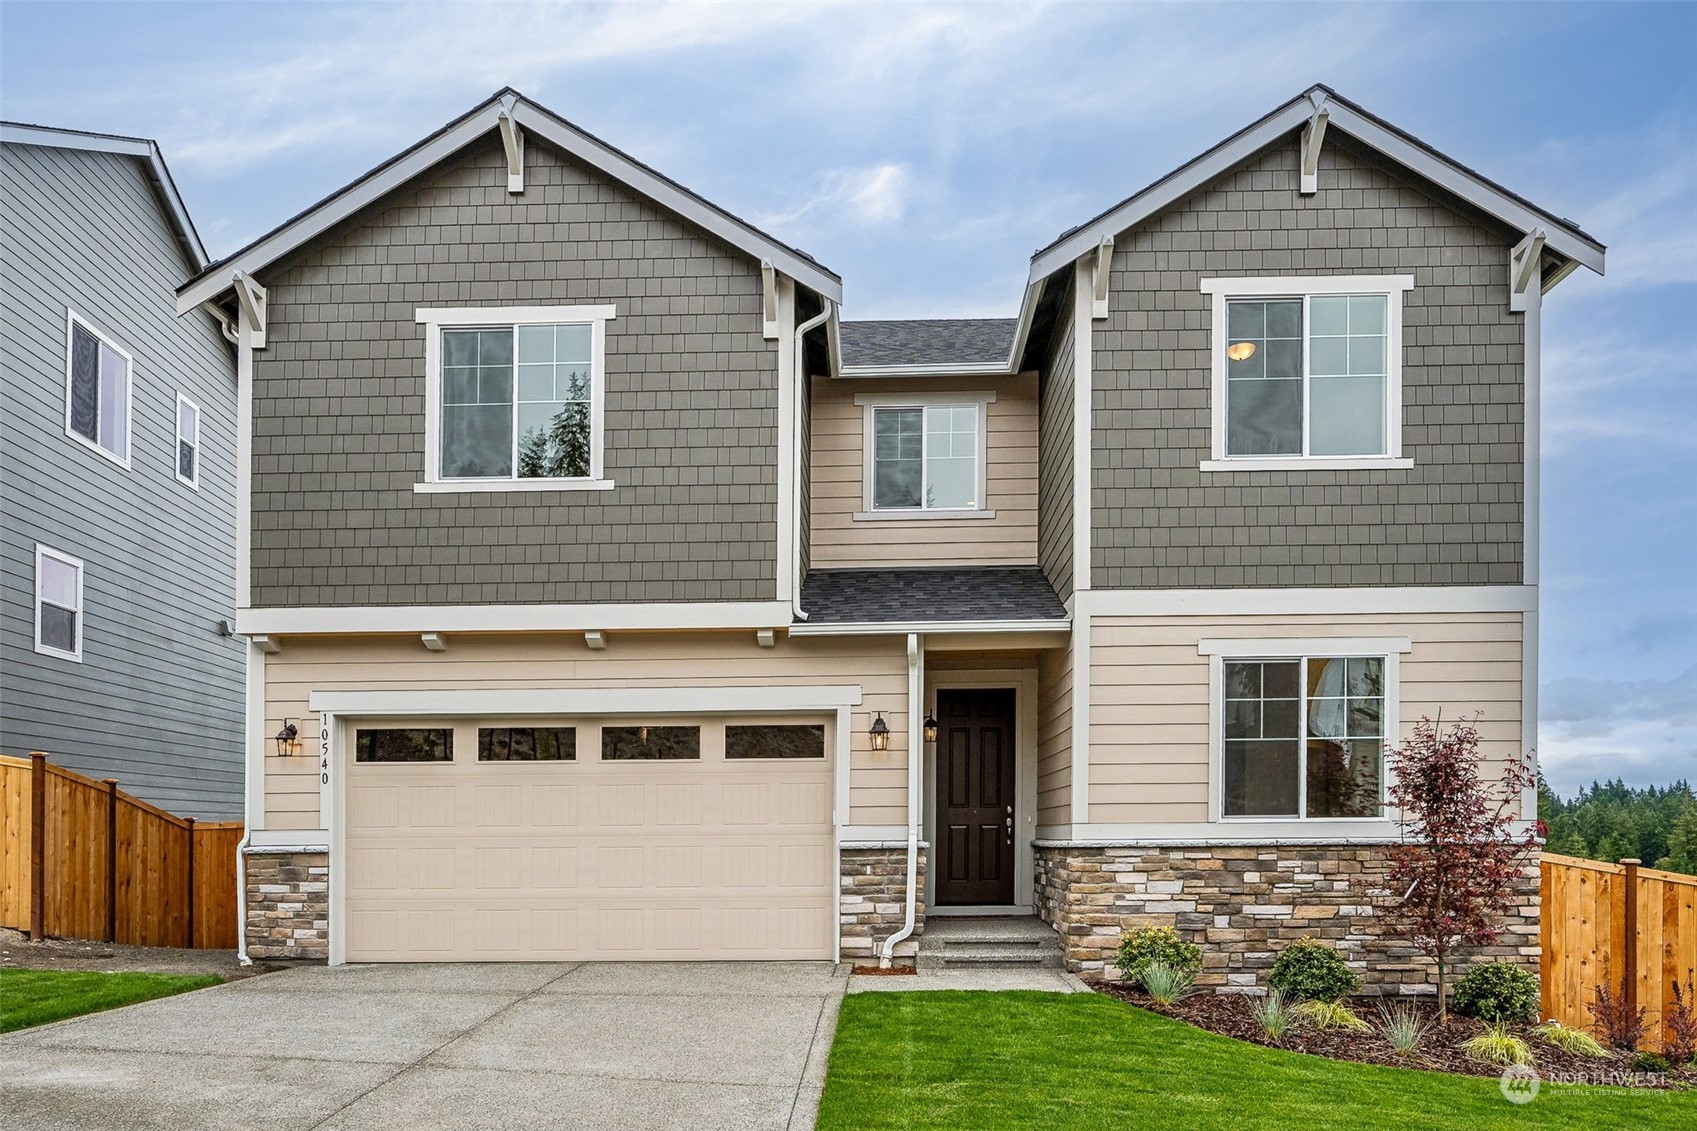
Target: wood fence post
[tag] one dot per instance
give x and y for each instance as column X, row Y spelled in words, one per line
column 1631, row 920
column 191, row 882
column 37, row 845
column 111, row 858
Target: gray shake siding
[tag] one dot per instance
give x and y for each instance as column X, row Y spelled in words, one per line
column 1454, row 519
column 157, row 699
column 1055, row 411
column 691, row 403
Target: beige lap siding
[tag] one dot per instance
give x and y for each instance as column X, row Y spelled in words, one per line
column 1149, row 708
column 1054, row 737
column 838, row 481
column 878, row 782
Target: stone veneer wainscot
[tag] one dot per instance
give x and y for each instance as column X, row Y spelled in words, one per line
column 1243, row 904
column 288, row 904
column 874, row 895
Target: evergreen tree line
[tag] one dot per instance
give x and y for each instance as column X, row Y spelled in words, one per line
column 1612, row 821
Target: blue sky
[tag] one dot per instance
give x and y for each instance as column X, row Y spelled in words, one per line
column 923, row 152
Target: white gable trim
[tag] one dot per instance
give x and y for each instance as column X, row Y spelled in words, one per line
column 1239, row 148
column 542, row 124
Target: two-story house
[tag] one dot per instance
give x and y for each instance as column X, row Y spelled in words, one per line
column 610, row 597
column 117, row 479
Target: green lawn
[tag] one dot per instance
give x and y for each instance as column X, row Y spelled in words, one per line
column 35, row 997
column 960, row 1059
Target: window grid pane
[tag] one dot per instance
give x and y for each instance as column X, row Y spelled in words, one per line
column 1262, row 745
column 1264, row 377
column 898, row 447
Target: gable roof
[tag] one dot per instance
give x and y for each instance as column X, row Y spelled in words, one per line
column 215, row 279
column 22, row 133
column 966, row 343
column 1562, row 236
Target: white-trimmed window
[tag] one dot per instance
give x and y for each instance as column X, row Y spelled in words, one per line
column 925, row 456
column 188, row 442
column 58, row 604
column 1307, row 372
column 1300, row 727
column 514, row 398
column 97, row 390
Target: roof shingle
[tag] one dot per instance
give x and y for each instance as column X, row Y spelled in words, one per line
column 929, row 594
column 929, row 341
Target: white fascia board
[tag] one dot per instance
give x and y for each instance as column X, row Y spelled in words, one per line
column 902, row 628
column 1165, row 192
column 1254, row 602
column 544, row 125
column 597, row 701
column 513, row 618
column 1001, row 369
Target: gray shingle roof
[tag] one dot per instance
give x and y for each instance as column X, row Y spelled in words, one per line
column 950, row 593
column 929, row 341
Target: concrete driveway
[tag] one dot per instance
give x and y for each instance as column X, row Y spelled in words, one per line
column 598, row 1045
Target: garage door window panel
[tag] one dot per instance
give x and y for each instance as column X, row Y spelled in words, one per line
column 780, row 741
column 650, row 744
column 526, row 744
column 404, row 744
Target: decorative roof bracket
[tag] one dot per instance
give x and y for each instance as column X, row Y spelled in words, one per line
column 768, row 300
column 512, row 139
column 1525, row 269
column 250, row 302
column 1099, row 278
column 1313, row 136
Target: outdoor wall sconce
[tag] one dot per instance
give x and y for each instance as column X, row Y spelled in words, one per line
column 930, row 727
column 288, row 739
column 879, row 733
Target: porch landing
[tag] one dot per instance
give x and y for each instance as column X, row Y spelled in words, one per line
column 954, row 943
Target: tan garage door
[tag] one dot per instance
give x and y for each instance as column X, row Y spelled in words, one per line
column 483, row 841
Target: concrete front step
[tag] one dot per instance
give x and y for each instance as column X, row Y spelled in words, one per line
column 980, row 942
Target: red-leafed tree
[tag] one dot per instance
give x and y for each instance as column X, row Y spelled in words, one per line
column 1460, row 857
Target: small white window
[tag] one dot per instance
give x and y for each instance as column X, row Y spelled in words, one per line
column 58, row 604
column 1307, row 372
column 188, row 442
column 515, row 398
column 925, row 457
column 97, row 390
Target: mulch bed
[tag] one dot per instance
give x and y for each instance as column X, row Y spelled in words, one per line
column 18, row 952
column 880, row 972
column 1440, row 1049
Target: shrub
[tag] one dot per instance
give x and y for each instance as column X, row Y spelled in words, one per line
column 1497, row 991
column 1310, row 969
column 1576, row 1041
column 1402, row 1027
column 1155, row 944
column 1330, row 1015
column 1622, row 1026
column 1167, row 984
column 1496, row 1045
column 1273, row 1013
column 1681, row 1021
column 1650, row 1062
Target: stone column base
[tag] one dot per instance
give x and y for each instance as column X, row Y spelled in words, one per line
column 874, row 901
column 1243, row 904
column 288, row 904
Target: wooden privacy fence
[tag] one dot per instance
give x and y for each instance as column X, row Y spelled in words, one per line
column 82, row 859
column 1602, row 922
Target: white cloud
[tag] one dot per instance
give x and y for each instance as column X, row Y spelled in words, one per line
column 875, row 195
column 1642, row 730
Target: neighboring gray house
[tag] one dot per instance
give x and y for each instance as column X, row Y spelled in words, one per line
column 117, row 478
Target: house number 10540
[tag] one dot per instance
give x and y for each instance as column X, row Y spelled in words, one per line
column 324, row 750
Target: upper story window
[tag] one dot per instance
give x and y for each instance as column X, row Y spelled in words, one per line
column 514, row 398
column 188, row 442
column 58, row 604
column 97, row 390
column 1307, row 372
column 925, row 456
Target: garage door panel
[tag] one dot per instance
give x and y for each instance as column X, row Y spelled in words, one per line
column 585, row 859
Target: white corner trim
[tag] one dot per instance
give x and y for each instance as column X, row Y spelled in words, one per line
column 1265, row 646
column 1083, row 386
column 1289, row 286
column 1251, row 602
column 918, row 515
column 473, row 486
column 588, row 701
column 1307, row 463
column 472, row 316
column 412, row 619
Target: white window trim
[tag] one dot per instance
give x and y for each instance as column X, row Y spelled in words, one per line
column 73, row 319
column 1394, row 287
column 1389, row 648
column 871, row 402
column 176, row 450
column 437, row 319
column 42, row 552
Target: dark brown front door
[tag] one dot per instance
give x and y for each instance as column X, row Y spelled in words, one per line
column 975, row 801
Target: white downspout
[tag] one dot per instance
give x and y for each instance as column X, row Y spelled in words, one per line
column 915, row 775
column 801, row 379
column 241, row 891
